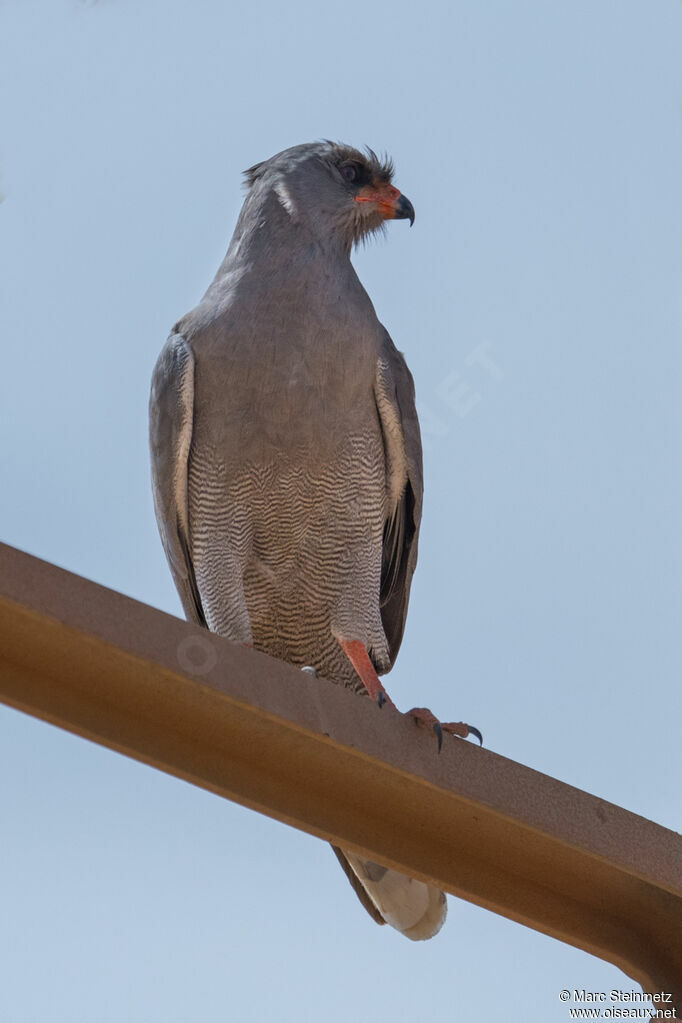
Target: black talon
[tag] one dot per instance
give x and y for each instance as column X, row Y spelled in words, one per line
column 381, row 699
column 475, row 731
column 439, row 733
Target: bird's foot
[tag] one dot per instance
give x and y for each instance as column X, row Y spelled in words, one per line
column 357, row 654
column 423, row 716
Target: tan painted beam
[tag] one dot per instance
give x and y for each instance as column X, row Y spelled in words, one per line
column 309, row 753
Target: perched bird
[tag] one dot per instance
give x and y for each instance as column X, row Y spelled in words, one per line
column 286, row 456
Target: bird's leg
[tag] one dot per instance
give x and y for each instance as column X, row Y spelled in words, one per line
column 356, row 652
column 425, row 717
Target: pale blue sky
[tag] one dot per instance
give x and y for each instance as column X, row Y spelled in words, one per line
column 537, row 301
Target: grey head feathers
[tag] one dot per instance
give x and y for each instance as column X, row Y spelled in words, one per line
column 319, row 183
column 335, row 153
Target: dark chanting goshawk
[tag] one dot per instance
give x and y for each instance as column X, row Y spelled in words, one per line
column 286, row 455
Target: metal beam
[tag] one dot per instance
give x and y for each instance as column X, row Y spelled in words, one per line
column 316, row 756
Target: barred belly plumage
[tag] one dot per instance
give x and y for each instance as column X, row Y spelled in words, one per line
column 288, row 552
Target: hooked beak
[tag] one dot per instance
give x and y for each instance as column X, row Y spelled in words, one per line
column 404, row 210
column 388, row 201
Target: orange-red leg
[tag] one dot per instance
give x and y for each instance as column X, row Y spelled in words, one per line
column 356, row 652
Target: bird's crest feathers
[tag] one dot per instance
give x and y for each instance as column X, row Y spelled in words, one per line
column 381, row 168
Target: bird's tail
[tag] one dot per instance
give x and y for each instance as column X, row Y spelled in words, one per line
column 415, row 909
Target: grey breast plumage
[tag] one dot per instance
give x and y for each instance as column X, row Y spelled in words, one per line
column 286, row 457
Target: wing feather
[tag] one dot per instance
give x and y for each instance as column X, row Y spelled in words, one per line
column 394, row 394
column 171, row 417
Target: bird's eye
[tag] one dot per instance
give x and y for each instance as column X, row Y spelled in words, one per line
column 349, row 173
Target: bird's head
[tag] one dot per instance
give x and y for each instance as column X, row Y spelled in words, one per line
column 333, row 188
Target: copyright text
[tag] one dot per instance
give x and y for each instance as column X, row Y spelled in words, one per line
column 618, row 1004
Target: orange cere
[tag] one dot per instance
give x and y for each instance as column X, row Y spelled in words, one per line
column 385, row 198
